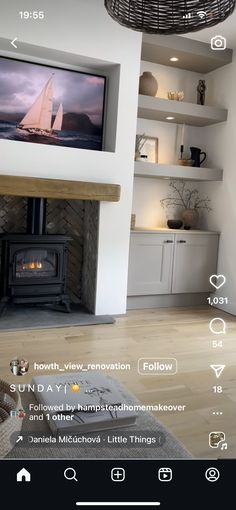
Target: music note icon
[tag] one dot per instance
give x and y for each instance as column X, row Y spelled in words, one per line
column 224, row 446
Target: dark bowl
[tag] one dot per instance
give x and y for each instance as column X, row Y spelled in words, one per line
column 174, row 224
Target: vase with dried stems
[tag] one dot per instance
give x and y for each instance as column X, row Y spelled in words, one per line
column 183, row 196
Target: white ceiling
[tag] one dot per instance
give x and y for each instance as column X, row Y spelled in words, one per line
column 226, row 29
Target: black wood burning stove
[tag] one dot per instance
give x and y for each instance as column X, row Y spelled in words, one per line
column 33, row 268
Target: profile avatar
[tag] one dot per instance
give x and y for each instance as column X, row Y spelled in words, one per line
column 19, row 366
column 21, row 413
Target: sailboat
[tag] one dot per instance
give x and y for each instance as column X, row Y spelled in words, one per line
column 38, row 120
column 57, row 124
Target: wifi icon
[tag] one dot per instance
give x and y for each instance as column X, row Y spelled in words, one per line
column 201, row 14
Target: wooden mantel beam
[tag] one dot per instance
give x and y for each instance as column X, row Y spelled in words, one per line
column 55, row 188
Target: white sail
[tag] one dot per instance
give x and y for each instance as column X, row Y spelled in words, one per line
column 58, row 119
column 40, row 114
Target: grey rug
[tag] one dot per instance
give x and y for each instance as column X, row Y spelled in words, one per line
column 20, row 317
column 146, row 425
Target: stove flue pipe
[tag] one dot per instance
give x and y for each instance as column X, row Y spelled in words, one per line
column 36, row 216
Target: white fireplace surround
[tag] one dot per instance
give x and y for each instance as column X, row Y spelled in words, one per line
column 90, row 38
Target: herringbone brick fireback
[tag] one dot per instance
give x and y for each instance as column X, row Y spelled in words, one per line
column 76, row 218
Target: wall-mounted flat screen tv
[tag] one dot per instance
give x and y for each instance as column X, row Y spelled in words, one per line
column 50, row 105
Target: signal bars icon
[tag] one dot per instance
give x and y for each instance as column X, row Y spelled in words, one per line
column 188, row 16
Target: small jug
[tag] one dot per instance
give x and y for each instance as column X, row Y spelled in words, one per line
column 196, row 154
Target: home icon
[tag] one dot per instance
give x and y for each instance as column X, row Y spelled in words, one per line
column 23, row 476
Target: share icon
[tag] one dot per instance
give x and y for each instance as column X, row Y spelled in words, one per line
column 218, row 369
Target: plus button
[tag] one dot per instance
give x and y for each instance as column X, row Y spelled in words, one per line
column 118, row 474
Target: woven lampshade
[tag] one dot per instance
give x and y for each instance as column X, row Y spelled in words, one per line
column 169, row 16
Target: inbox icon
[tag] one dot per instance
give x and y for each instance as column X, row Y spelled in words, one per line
column 165, row 475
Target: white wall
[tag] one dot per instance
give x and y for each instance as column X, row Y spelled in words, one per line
column 84, row 28
column 221, row 148
column 148, row 192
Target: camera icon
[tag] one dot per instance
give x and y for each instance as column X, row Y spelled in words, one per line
column 218, row 43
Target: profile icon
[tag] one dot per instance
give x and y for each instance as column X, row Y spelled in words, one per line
column 212, row 474
column 19, row 366
column 21, row 413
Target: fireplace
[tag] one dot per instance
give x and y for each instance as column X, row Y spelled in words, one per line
column 71, row 271
column 34, row 265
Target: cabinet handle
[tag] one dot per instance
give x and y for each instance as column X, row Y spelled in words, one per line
column 168, row 241
column 181, row 241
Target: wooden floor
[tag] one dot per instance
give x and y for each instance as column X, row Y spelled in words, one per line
column 182, row 333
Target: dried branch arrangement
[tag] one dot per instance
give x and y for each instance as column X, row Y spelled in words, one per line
column 182, row 195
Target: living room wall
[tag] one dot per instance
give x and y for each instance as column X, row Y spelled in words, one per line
column 220, row 141
column 84, row 28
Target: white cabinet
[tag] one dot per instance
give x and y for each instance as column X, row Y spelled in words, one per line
column 195, row 260
column 150, row 264
column 174, row 263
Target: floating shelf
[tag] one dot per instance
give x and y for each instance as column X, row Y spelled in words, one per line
column 193, row 55
column 188, row 173
column 156, row 108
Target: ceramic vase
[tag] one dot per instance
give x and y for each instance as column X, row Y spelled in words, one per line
column 190, row 218
column 148, row 84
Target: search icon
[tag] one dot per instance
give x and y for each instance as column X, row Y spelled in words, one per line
column 70, row 474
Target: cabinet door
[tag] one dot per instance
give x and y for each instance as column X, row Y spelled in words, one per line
column 195, row 260
column 150, row 264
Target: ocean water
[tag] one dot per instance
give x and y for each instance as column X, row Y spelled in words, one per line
column 8, row 131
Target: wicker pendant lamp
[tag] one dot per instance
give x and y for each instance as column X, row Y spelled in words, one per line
column 169, row 16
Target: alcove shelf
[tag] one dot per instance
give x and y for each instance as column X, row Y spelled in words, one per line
column 192, row 55
column 189, row 173
column 156, row 108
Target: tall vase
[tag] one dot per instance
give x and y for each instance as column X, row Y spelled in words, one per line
column 148, row 84
column 190, row 218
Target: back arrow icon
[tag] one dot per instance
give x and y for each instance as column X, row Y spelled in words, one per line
column 13, row 42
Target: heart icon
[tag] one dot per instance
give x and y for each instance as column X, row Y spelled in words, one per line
column 217, row 280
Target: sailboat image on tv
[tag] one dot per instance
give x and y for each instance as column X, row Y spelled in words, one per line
column 38, row 120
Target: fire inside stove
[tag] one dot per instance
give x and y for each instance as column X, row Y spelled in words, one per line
column 38, row 263
column 32, row 265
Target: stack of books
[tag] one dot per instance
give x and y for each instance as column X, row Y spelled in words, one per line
column 82, row 402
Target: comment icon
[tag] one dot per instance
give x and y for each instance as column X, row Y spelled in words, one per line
column 217, row 326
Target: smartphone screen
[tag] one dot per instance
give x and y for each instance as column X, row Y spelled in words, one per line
column 117, row 250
